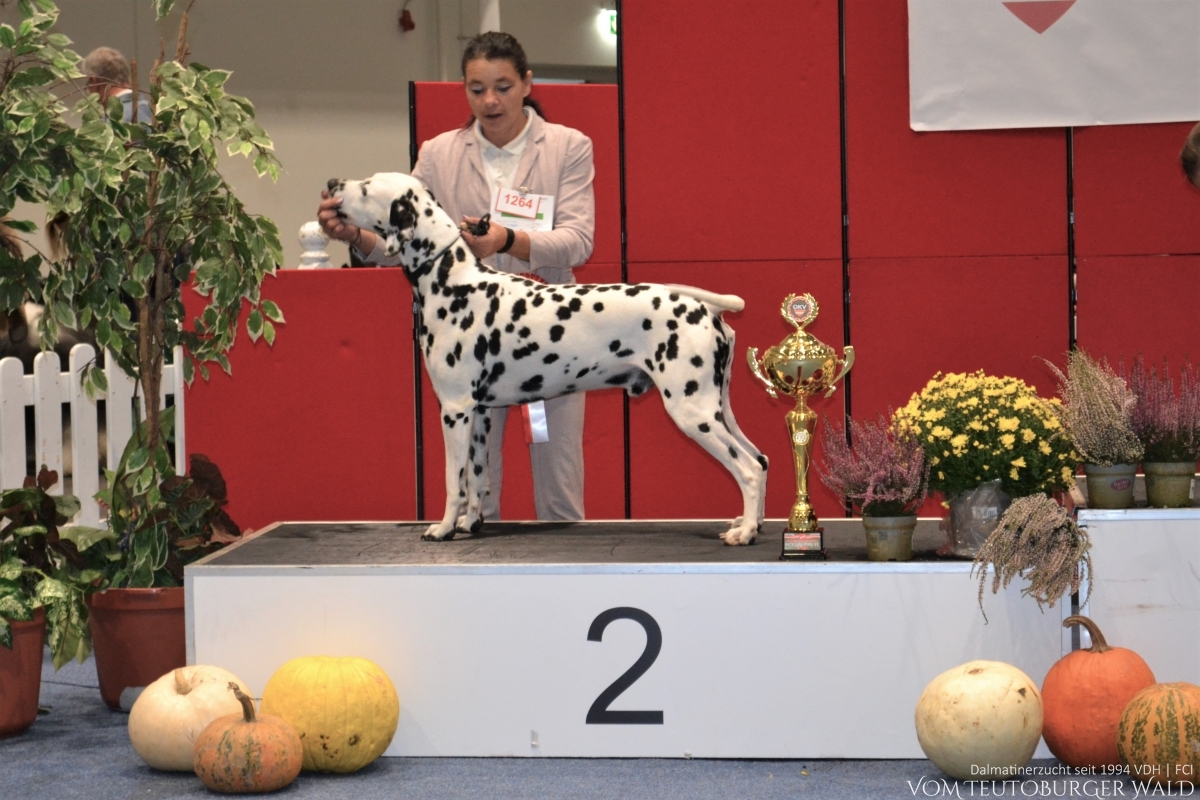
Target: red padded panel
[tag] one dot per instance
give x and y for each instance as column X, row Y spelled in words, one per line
column 320, row 426
column 1139, row 304
column 1131, row 197
column 603, row 447
column 732, row 133
column 672, row 476
column 953, row 315
column 958, row 193
column 590, row 108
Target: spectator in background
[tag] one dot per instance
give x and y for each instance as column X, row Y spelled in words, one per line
column 1189, row 157
column 108, row 76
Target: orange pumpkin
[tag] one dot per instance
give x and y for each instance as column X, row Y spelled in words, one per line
column 248, row 753
column 1159, row 735
column 1083, row 697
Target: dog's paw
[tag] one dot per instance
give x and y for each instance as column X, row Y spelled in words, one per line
column 740, row 534
column 437, row 532
column 469, row 522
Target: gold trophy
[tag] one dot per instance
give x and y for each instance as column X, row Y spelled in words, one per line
column 799, row 366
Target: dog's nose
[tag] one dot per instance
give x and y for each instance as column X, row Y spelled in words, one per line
column 333, row 185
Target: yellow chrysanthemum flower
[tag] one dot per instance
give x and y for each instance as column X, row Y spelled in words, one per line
column 1007, row 439
column 959, row 441
column 1013, row 474
column 1044, row 448
column 1018, row 462
column 1027, row 435
column 1009, row 423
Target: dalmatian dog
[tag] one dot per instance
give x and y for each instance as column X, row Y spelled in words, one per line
column 496, row 339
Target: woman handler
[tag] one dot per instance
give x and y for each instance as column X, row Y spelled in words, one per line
column 508, row 145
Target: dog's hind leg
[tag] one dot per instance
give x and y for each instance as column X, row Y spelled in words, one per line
column 700, row 417
column 457, row 425
column 732, row 426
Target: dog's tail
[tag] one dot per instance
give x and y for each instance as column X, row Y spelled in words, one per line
column 723, row 302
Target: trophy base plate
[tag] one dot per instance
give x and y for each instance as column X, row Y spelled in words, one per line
column 806, row 546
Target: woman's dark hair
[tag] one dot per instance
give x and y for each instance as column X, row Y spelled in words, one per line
column 1189, row 157
column 496, row 46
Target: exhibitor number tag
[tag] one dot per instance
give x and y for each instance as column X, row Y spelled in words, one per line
column 521, row 211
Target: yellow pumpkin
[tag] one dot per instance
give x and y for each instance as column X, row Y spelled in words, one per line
column 345, row 709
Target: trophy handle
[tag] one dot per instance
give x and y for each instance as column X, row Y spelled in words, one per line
column 752, row 356
column 847, row 362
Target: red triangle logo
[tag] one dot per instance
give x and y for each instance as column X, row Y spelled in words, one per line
column 1040, row 14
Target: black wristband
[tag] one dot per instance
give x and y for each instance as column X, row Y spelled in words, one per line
column 510, row 236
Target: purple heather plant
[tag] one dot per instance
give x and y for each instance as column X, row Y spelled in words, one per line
column 883, row 473
column 1167, row 423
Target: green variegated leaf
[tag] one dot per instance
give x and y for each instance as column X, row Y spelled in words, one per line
column 84, row 537
column 163, row 7
column 51, row 589
column 254, row 325
column 269, row 333
column 67, row 505
column 15, row 607
column 5, row 634
column 10, row 570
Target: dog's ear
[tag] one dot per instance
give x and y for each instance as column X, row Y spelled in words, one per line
column 401, row 225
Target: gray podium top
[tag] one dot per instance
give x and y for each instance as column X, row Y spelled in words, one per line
column 306, row 544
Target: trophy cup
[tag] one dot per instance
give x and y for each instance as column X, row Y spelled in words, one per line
column 799, row 366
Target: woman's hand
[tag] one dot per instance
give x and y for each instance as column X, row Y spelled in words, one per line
column 491, row 242
column 488, row 244
column 337, row 228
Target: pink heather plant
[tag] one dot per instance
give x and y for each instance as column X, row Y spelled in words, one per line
column 1166, row 423
column 884, row 473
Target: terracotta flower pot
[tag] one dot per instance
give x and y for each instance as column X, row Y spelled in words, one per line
column 137, row 635
column 21, row 675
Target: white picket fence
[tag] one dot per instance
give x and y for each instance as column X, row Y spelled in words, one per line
column 47, row 390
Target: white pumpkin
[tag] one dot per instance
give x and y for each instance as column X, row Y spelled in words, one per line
column 979, row 720
column 171, row 712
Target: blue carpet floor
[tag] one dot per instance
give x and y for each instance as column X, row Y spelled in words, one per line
column 79, row 749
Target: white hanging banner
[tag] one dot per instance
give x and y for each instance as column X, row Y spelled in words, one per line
column 536, row 429
column 976, row 64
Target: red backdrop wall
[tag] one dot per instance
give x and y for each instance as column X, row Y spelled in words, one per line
column 954, row 254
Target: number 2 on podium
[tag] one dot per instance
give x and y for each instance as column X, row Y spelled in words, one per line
column 599, row 713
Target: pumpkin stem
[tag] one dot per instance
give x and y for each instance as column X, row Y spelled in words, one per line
column 1098, row 643
column 181, row 684
column 244, row 699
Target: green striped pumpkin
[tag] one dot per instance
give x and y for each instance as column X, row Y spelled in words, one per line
column 1158, row 737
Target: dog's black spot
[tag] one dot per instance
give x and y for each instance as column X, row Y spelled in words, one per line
column 656, row 302
column 614, row 345
column 450, row 359
column 550, row 358
column 582, row 290
column 429, row 213
column 556, row 333
column 570, row 388
column 597, row 306
column 538, row 299
column 647, row 324
column 696, row 315
column 697, row 361
column 509, row 328
column 527, row 350
column 478, row 469
column 704, row 427
column 658, row 353
column 441, row 313
column 459, row 253
column 468, row 321
column 673, row 296
column 447, row 420
column 605, row 288
column 494, row 343
column 667, row 393
column 649, row 364
column 556, row 297
column 533, row 384
column 634, row 291
column 492, row 289
column 617, row 380
column 719, row 417
column 679, row 309
column 481, row 347
column 732, row 453
column 523, row 333
column 690, row 388
column 673, row 347
column 490, row 319
column 626, row 353
column 762, row 460
column 672, row 324
column 582, row 372
column 458, row 304
column 518, row 310
column 721, row 362
column 717, row 324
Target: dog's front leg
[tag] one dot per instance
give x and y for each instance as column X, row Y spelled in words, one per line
column 457, row 423
column 477, row 471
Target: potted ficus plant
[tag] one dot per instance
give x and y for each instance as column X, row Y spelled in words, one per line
column 882, row 472
column 43, row 579
column 141, row 209
column 1167, row 423
column 1097, row 413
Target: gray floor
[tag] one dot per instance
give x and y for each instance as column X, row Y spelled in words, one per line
column 79, row 749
